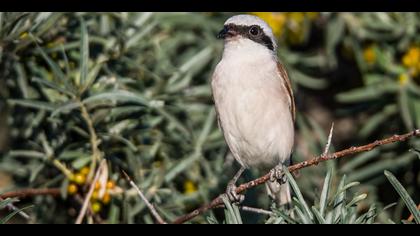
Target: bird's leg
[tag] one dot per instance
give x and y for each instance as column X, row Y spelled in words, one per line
column 231, row 188
column 277, row 174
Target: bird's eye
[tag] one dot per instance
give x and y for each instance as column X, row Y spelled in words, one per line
column 254, row 31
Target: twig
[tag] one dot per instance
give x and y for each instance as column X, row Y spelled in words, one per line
column 23, row 193
column 85, row 205
column 30, row 192
column 80, row 200
column 94, row 141
column 411, row 218
column 148, row 204
column 314, row 161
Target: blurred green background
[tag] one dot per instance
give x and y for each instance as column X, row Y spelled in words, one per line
column 134, row 88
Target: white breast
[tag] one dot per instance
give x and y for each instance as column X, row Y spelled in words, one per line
column 253, row 105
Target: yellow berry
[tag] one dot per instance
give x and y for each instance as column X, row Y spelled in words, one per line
column 95, row 195
column 403, row 79
column 369, row 55
column 110, row 184
column 79, row 179
column 106, row 199
column 85, row 170
column 189, row 187
column 72, row 189
column 97, row 186
column 96, row 207
column 23, row 35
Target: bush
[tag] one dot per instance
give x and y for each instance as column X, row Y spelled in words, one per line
column 132, row 88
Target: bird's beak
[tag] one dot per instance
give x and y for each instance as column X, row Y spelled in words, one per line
column 226, row 32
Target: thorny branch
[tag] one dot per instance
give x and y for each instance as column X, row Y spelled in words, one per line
column 314, row 161
column 31, row 192
column 217, row 202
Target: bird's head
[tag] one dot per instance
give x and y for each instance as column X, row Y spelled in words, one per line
column 248, row 28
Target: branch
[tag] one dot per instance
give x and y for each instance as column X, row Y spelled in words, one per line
column 314, row 161
column 94, row 141
column 30, row 192
column 148, row 204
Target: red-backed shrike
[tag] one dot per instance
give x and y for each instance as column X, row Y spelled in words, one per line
column 254, row 102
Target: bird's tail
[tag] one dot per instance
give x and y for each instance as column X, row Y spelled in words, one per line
column 280, row 193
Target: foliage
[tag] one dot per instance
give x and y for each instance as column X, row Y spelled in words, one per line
column 133, row 88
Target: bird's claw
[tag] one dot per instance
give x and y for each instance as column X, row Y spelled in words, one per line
column 233, row 196
column 277, row 174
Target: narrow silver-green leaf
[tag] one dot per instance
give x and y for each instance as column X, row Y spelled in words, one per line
column 404, row 195
column 65, row 108
column 84, row 52
column 32, row 104
column 52, row 85
column 325, row 191
column 318, row 215
column 10, row 216
column 299, row 195
column 117, row 95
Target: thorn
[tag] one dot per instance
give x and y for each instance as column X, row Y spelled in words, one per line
column 127, row 177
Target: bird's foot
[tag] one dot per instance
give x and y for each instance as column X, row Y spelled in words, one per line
column 232, row 195
column 277, row 174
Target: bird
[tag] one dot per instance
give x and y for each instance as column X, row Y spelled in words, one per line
column 254, row 103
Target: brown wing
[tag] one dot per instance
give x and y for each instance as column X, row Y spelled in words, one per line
column 287, row 84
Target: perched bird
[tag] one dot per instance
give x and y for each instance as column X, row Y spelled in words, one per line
column 254, row 103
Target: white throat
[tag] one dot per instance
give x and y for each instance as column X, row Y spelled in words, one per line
column 243, row 50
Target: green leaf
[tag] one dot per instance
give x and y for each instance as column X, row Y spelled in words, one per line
column 334, row 33
column 232, row 215
column 32, row 104
column 404, row 195
column 118, row 95
column 9, row 216
column 357, row 199
column 22, row 80
column 58, row 73
column 369, row 93
column 368, row 217
column 359, row 160
column 378, row 119
column 307, row 81
column 339, row 200
column 318, row 215
column 65, row 108
column 182, row 165
column 81, row 162
column 404, row 101
column 84, row 52
column 286, row 217
column 114, row 214
column 52, row 85
column 304, row 217
column 325, row 191
column 299, row 195
column 4, row 203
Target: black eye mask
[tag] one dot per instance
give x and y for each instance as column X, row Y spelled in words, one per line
column 253, row 32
